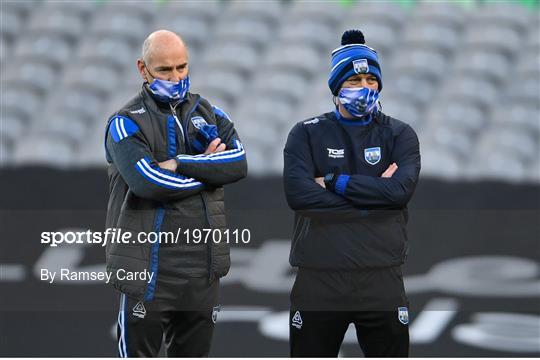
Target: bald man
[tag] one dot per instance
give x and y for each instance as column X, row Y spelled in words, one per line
column 169, row 152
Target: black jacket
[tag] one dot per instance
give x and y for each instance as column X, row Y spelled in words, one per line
column 360, row 220
column 145, row 198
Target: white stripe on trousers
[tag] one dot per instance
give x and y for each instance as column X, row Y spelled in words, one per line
column 121, row 322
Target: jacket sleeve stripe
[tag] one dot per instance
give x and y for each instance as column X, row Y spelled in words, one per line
column 116, row 132
column 163, row 174
column 161, row 179
column 122, row 127
column 224, row 156
column 239, row 147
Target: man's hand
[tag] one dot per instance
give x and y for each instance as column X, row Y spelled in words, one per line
column 215, row 146
column 168, row 165
column 390, row 171
column 320, row 181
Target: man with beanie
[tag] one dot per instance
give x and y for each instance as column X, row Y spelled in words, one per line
column 169, row 152
column 348, row 175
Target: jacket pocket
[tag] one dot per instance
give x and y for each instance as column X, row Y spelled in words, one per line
column 376, row 241
column 389, row 235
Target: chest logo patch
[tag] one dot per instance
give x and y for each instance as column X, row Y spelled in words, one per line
column 198, row 121
column 372, row 155
column 336, row 153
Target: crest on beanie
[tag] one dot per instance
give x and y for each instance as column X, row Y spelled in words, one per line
column 360, row 66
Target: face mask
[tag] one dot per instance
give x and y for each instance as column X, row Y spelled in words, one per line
column 358, row 102
column 169, row 91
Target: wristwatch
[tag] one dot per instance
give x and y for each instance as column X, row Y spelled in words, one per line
column 329, row 181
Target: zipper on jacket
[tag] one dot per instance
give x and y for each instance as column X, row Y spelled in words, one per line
column 185, row 121
column 173, row 112
column 180, row 124
column 209, row 244
column 188, row 148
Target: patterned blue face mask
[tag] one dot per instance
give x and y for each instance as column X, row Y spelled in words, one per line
column 169, row 91
column 359, row 102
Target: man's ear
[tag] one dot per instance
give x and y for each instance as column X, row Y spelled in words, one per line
column 141, row 67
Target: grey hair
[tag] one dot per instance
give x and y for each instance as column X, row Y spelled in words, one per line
column 145, row 54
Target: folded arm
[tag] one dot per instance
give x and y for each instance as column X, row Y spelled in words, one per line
column 217, row 168
column 388, row 192
column 303, row 194
column 128, row 150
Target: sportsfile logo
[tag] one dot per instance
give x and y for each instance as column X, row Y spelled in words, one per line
column 121, row 236
column 336, row 153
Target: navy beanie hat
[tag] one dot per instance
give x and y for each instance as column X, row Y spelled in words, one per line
column 353, row 57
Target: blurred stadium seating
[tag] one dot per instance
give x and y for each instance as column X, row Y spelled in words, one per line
column 465, row 76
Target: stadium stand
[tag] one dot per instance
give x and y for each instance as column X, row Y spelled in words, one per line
column 465, row 76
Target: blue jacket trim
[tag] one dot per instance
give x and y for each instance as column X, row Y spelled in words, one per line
column 219, row 112
column 164, row 178
column 353, row 122
column 341, row 184
column 150, row 289
column 221, row 157
column 171, row 134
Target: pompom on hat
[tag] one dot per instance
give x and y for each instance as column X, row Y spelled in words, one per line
column 353, row 57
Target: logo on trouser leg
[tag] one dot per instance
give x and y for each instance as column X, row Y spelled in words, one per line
column 297, row 320
column 215, row 311
column 403, row 315
column 139, row 310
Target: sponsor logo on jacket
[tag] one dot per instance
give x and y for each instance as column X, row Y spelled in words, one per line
column 336, row 153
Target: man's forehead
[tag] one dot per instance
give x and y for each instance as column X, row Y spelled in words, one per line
column 168, row 57
column 359, row 76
